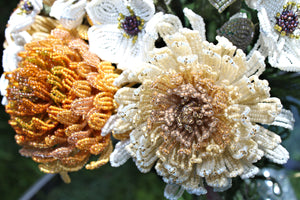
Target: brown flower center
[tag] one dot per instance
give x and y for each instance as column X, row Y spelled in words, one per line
column 190, row 112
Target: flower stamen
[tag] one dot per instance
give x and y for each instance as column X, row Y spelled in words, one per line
column 26, row 7
column 131, row 25
column 287, row 21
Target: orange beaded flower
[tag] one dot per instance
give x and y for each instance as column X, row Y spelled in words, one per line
column 59, row 98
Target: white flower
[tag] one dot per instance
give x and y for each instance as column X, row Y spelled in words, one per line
column 69, row 13
column 22, row 18
column 276, row 41
column 196, row 114
column 119, row 28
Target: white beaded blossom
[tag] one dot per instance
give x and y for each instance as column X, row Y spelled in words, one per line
column 279, row 43
column 22, row 18
column 118, row 30
column 16, row 37
column 196, row 114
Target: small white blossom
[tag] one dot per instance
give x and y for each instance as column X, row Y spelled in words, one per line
column 278, row 42
column 118, row 29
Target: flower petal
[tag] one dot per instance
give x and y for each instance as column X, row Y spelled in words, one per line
column 69, row 13
column 119, row 156
column 173, row 191
column 106, row 11
column 108, row 42
column 196, row 21
column 278, row 155
column 143, row 8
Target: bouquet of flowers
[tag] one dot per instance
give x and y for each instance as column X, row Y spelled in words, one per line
column 174, row 85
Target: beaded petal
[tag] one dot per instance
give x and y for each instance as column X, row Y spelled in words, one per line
column 196, row 114
column 221, row 5
column 70, row 13
column 59, row 98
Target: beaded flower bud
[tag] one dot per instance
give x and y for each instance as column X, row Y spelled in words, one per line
column 59, row 98
column 196, row 115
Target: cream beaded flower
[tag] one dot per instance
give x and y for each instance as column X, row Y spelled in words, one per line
column 119, row 27
column 196, row 114
column 279, row 32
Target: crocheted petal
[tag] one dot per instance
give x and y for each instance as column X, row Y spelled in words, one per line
column 106, row 11
column 196, row 21
column 173, row 191
column 69, row 13
column 107, row 42
column 143, row 8
column 119, row 156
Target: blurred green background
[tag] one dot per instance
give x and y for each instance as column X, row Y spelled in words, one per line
column 18, row 173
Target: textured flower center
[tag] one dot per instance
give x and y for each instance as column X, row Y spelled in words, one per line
column 191, row 114
column 131, row 25
column 26, row 7
column 287, row 20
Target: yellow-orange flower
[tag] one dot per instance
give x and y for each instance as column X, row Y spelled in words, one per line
column 59, row 98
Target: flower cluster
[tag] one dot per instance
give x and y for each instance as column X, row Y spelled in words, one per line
column 79, row 72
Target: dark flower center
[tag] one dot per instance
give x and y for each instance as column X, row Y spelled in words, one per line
column 131, row 25
column 26, row 7
column 191, row 114
column 287, row 20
